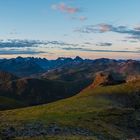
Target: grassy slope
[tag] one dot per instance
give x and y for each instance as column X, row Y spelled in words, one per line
column 100, row 110
column 9, row 103
column 58, row 138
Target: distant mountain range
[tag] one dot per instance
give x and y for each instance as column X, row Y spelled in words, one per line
column 25, row 67
column 28, row 66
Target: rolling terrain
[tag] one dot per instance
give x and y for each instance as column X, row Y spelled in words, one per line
column 102, row 112
column 75, row 99
column 31, row 91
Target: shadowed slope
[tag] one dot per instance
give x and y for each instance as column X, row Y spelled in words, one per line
column 38, row 91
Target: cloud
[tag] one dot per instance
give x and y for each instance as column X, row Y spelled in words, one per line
column 104, row 44
column 100, row 28
column 81, row 18
column 65, row 8
column 87, row 43
column 61, row 43
column 21, row 52
column 20, row 43
column 14, row 32
column 137, row 28
column 103, row 28
column 91, row 50
column 16, row 43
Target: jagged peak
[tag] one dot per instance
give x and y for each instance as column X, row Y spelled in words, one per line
column 78, row 58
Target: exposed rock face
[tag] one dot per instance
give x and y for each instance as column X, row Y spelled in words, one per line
column 132, row 78
column 107, row 78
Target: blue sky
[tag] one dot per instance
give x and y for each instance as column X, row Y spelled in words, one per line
column 89, row 28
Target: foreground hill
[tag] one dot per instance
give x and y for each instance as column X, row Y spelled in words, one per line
column 30, row 91
column 101, row 113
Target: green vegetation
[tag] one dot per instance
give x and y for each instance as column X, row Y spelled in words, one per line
column 109, row 111
column 58, row 138
column 9, row 103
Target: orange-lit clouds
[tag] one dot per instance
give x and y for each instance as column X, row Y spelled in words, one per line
column 65, row 8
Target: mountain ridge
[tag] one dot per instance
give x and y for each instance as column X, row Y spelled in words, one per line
column 23, row 67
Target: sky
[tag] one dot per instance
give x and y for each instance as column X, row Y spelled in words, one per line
column 68, row 28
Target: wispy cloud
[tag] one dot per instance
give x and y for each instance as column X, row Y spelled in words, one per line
column 61, row 43
column 103, row 28
column 81, row 18
column 20, row 52
column 65, row 8
column 91, row 50
column 16, row 43
column 104, row 44
column 137, row 28
column 20, row 43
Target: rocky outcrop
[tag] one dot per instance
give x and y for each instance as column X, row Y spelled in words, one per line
column 131, row 78
column 107, row 78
